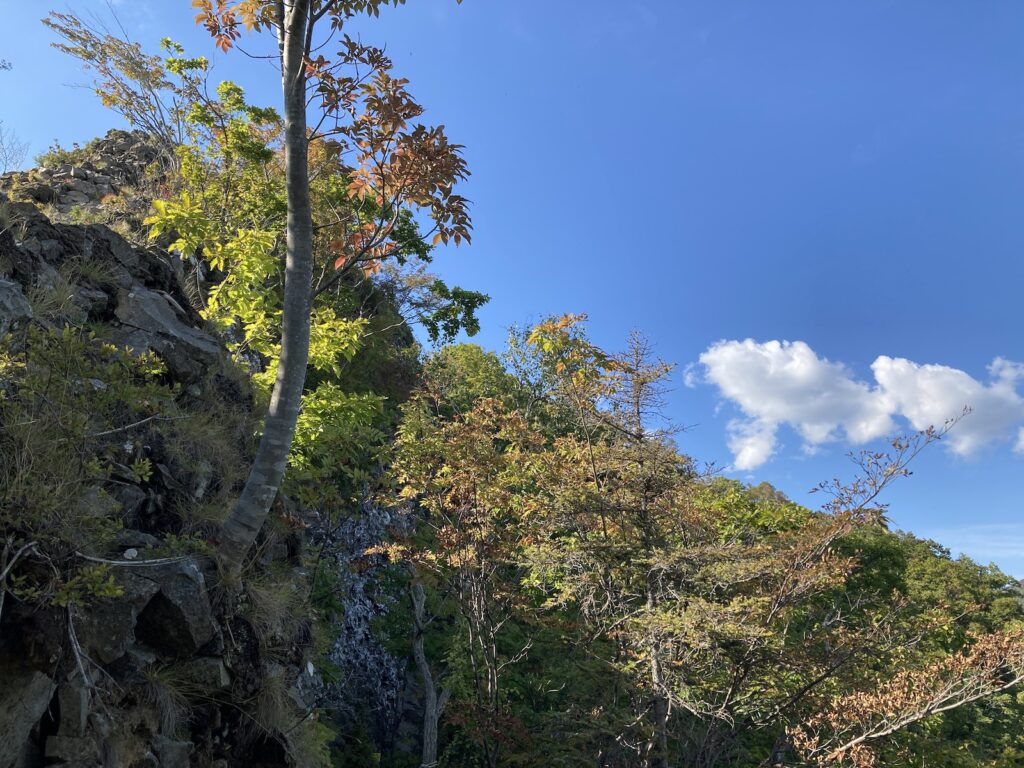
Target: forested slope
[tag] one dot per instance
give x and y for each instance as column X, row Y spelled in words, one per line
column 475, row 558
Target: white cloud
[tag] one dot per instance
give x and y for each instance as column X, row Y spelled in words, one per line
column 927, row 395
column 752, row 442
column 691, row 376
column 779, row 382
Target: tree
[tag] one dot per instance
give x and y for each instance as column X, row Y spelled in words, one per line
column 131, row 82
column 369, row 115
column 12, row 151
column 434, row 702
column 846, row 732
column 471, row 477
column 730, row 625
column 617, row 485
column 671, row 618
column 704, row 598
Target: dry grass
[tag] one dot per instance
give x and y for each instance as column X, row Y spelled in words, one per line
column 167, row 692
column 273, row 603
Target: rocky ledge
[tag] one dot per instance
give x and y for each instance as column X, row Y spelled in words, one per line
column 118, row 161
column 107, row 682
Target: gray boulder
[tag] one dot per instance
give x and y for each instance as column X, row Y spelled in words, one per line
column 73, row 698
column 164, row 607
column 39, row 191
column 154, row 325
column 24, row 695
column 72, row 749
column 207, row 672
column 172, row 754
column 14, row 307
column 92, row 301
column 177, row 621
column 107, row 629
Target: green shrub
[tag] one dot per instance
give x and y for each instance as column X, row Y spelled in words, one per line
column 80, row 418
column 56, row 155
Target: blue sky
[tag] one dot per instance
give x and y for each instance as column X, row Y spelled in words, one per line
column 847, row 177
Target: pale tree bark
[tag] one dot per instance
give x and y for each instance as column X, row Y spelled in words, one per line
column 482, row 656
column 243, row 524
column 482, row 627
column 657, row 755
column 657, row 747
column 433, row 704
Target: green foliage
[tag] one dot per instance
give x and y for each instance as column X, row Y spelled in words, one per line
column 456, row 311
column 227, row 216
column 309, row 744
column 63, row 390
column 743, row 512
column 634, row 580
column 93, row 582
column 74, row 415
column 337, row 439
column 56, row 155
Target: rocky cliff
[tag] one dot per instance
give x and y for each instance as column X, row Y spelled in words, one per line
column 88, row 176
column 125, row 428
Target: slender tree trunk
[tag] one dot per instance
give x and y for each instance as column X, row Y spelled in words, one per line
column 483, row 658
column 433, row 705
column 243, row 524
column 657, row 748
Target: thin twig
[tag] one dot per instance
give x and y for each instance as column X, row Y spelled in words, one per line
column 139, row 423
column 157, row 561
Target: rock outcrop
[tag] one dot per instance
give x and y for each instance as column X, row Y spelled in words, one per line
column 158, row 673
column 109, row 165
column 14, row 307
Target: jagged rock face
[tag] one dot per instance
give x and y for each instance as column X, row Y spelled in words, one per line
column 24, row 697
column 377, row 684
column 107, row 630
column 176, row 621
column 49, row 707
column 81, row 686
column 153, row 321
column 139, row 296
column 102, row 708
column 118, row 160
column 14, row 307
column 164, row 607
